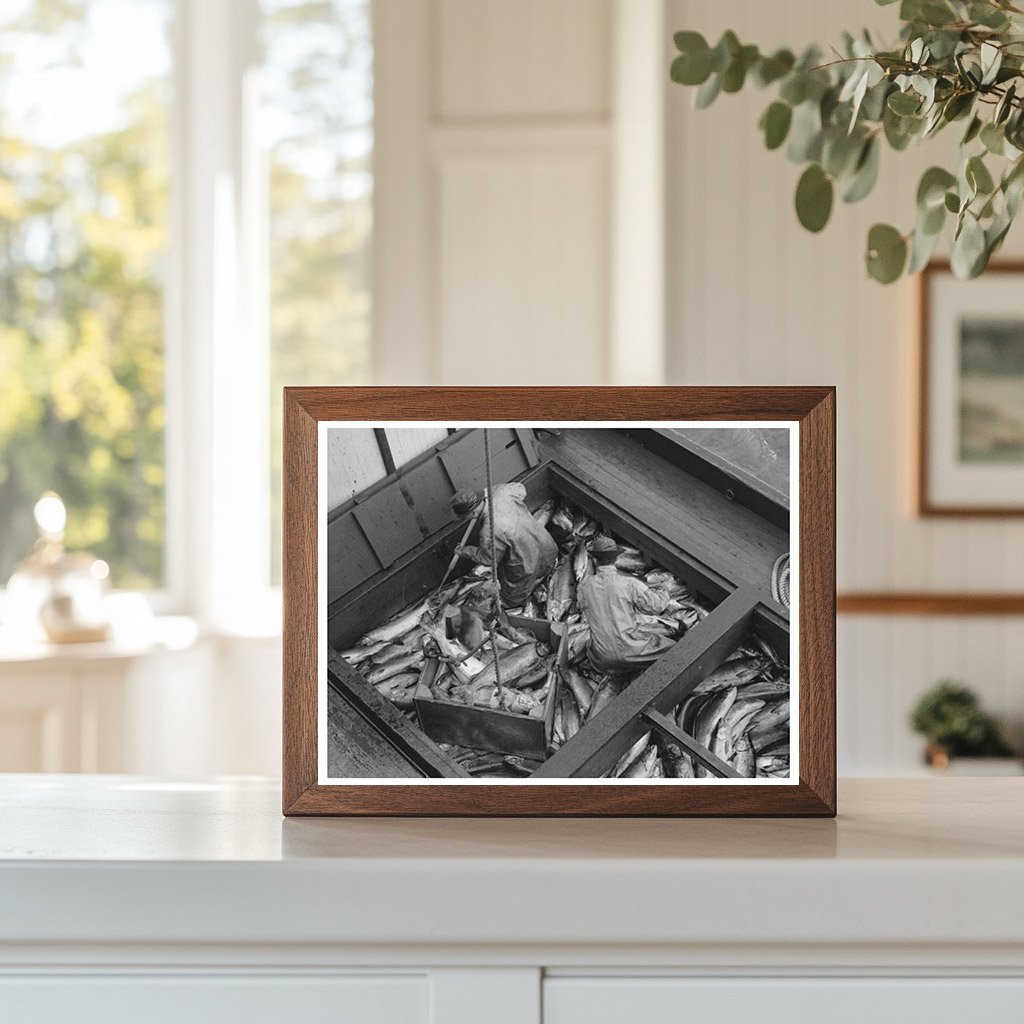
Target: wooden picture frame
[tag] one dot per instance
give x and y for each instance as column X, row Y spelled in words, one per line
column 934, row 476
column 810, row 793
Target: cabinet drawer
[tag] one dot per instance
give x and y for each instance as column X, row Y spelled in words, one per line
column 577, row 1000
column 202, row 999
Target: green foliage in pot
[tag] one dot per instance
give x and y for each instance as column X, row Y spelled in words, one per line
column 957, row 62
column 950, row 717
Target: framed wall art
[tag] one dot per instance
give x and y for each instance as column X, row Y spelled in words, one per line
column 559, row 601
column 970, row 444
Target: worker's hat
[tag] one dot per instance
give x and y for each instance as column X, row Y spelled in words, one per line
column 464, row 502
column 604, row 549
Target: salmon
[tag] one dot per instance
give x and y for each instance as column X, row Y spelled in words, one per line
column 743, row 761
column 560, row 523
column 545, row 512
column 768, row 721
column 471, row 628
column 462, row 664
column 354, row 655
column 772, row 766
column 632, row 754
column 557, row 730
column 678, row 763
column 711, row 714
column 561, row 591
column 533, row 676
column 579, row 637
column 582, row 690
column 581, row 562
column 643, row 766
column 732, row 673
column 603, row 696
column 397, row 627
column 513, row 664
column 508, row 700
column 779, row 745
column 397, row 667
column 399, row 689
column 572, row 721
column 393, row 652
column 739, row 715
column 519, row 765
column 630, row 560
column 771, row 688
column 766, row 742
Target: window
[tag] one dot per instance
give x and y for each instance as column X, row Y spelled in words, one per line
column 83, row 236
column 237, row 212
column 317, row 116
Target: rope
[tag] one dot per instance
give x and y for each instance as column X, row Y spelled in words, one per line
column 494, row 561
column 780, row 580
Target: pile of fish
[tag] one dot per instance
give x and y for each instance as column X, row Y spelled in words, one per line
column 395, row 656
column 740, row 712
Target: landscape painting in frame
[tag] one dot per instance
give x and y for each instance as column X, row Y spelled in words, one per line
column 603, row 604
column 972, row 393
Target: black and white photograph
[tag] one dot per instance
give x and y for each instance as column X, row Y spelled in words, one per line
column 540, row 602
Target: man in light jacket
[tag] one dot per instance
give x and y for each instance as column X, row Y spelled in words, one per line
column 525, row 551
column 611, row 602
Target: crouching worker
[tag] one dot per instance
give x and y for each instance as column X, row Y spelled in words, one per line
column 611, row 602
column 524, row 549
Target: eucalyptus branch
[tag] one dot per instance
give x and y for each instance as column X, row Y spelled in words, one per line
column 954, row 58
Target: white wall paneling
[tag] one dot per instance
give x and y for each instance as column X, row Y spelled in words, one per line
column 751, row 298
column 529, row 156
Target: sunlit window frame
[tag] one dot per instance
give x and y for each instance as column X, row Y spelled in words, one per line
column 217, row 351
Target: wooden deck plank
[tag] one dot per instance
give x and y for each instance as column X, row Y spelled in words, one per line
column 602, row 741
column 354, row 747
column 394, row 729
column 730, row 539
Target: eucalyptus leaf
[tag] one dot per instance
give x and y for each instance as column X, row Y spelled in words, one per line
column 886, row 253
column 922, row 247
column 991, row 60
column 707, row 93
column 973, row 130
column 865, row 173
column 985, row 14
column 794, row 88
column 775, row 124
column 814, row 195
column 978, row 176
column 904, row 103
column 968, row 247
column 931, row 190
column 993, row 138
column 771, row 69
column 693, row 65
column 805, row 133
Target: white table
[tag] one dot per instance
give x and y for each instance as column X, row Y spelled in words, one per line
column 125, row 898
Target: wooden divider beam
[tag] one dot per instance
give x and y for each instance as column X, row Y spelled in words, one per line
column 697, row 751
column 604, row 739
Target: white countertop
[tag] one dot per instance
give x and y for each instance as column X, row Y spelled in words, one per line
column 122, row 859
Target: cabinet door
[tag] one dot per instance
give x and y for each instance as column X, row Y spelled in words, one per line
column 205, row 999
column 576, row 1000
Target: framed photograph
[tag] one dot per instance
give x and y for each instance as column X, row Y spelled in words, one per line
column 970, row 451
column 559, row 601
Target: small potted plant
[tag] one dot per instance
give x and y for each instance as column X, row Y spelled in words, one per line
column 950, row 717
